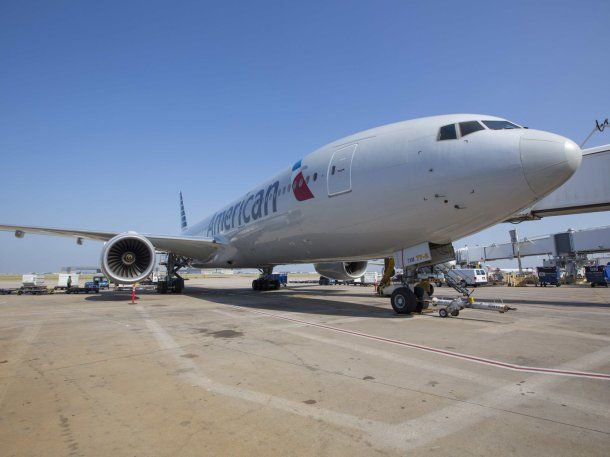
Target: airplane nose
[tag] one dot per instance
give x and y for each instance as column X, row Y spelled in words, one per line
column 548, row 160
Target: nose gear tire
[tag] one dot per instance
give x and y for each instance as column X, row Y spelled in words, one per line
column 403, row 301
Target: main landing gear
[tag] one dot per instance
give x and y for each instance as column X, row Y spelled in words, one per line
column 266, row 281
column 173, row 283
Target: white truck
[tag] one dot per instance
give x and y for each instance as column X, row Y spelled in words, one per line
column 470, row 277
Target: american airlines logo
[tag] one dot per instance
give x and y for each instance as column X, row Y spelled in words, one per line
column 251, row 208
column 259, row 204
column 299, row 183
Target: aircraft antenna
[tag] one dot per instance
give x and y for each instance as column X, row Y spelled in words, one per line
column 598, row 128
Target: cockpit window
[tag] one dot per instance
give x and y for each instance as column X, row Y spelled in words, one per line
column 500, row 125
column 447, row 132
column 466, row 128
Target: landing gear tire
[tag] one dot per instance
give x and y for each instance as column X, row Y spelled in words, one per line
column 162, row 287
column 403, row 301
column 443, row 312
column 178, row 285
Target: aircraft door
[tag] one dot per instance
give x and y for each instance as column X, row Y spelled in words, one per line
column 339, row 176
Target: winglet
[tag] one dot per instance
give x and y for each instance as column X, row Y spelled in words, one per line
column 183, row 225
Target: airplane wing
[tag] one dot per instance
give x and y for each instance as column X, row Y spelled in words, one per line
column 200, row 248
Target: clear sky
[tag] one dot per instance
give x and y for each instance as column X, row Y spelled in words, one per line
column 107, row 109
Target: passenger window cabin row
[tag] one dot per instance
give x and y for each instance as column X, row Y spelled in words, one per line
column 450, row 131
column 284, row 189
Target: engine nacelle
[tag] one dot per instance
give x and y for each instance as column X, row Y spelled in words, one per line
column 128, row 258
column 341, row 271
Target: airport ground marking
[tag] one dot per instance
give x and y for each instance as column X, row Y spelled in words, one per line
column 458, row 355
column 383, row 434
column 20, row 346
column 411, row 434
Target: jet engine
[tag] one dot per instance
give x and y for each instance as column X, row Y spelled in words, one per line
column 341, row 271
column 128, row 258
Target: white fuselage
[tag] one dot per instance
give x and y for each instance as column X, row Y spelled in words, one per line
column 372, row 193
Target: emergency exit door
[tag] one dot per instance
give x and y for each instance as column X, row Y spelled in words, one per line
column 340, row 170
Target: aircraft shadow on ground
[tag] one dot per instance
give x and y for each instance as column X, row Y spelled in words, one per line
column 278, row 300
column 285, row 300
column 282, row 300
column 335, row 304
column 116, row 296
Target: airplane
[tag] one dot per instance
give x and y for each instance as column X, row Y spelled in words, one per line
column 366, row 196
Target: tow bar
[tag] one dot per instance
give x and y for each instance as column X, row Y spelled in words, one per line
column 453, row 307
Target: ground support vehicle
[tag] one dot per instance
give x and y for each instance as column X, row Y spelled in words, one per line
column 29, row 290
column 324, row 281
column 596, row 275
column 549, row 275
column 515, row 279
column 34, row 290
column 270, row 281
column 469, row 277
column 8, row 291
column 101, row 281
column 89, row 288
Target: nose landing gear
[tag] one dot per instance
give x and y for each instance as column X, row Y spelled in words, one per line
column 403, row 301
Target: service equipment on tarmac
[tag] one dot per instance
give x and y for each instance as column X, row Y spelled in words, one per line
column 596, row 275
column 405, row 301
column 549, row 275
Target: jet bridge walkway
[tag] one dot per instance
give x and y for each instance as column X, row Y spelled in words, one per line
column 563, row 244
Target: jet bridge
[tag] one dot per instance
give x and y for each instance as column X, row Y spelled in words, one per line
column 571, row 243
column 588, row 190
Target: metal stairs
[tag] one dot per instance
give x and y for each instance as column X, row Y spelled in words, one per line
column 453, row 278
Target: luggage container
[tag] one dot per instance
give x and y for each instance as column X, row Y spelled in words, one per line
column 62, row 280
column 32, row 280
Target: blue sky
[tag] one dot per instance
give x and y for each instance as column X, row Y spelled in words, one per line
column 107, row 109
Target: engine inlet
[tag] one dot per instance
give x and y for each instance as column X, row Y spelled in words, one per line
column 128, row 258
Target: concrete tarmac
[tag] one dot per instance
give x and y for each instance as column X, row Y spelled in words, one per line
column 307, row 370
